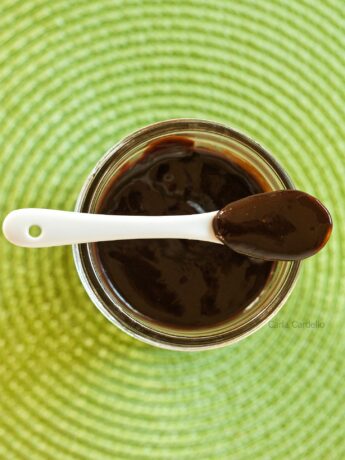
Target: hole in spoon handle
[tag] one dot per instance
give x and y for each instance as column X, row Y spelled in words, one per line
column 35, row 231
column 25, row 227
column 39, row 228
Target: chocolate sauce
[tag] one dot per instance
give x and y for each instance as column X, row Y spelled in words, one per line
column 181, row 283
column 282, row 225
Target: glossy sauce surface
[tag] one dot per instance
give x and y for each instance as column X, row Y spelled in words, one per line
column 181, row 283
column 282, row 225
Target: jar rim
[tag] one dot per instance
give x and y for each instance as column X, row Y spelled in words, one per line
column 150, row 132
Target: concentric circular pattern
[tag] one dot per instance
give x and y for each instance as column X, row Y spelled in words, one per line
column 75, row 78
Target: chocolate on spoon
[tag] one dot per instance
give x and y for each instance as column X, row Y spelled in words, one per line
column 282, row 225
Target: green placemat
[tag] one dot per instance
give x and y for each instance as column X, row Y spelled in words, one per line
column 76, row 76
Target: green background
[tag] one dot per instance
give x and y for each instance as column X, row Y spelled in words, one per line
column 76, row 76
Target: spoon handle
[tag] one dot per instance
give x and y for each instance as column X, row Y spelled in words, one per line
column 58, row 228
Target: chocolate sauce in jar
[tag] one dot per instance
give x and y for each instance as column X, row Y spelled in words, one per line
column 180, row 283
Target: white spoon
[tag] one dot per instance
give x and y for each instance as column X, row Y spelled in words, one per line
column 281, row 225
column 58, row 228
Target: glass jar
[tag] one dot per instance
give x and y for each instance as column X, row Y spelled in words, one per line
column 223, row 141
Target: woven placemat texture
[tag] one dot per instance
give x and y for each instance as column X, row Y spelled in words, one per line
column 75, row 77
